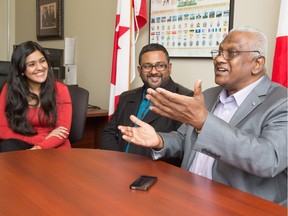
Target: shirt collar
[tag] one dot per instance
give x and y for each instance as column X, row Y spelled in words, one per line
column 239, row 96
column 144, row 94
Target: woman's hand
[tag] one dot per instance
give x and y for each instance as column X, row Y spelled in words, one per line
column 35, row 148
column 60, row 132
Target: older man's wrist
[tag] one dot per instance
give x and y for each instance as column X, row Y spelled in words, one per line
column 197, row 130
column 160, row 145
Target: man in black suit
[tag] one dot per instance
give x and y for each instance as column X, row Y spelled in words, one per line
column 155, row 70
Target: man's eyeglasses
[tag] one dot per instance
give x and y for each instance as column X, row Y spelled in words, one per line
column 149, row 67
column 228, row 54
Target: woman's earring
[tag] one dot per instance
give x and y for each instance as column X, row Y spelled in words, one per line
column 22, row 74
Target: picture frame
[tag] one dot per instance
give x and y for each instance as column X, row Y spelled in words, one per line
column 49, row 19
column 190, row 28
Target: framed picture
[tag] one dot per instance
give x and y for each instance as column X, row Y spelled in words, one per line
column 49, row 19
column 190, row 28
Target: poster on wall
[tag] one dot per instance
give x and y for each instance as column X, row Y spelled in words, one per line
column 190, row 28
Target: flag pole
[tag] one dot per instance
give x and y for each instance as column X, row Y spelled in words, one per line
column 130, row 44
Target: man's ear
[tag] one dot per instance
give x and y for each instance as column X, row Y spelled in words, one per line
column 170, row 68
column 259, row 65
column 139, row 69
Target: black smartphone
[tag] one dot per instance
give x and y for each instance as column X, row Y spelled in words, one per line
column 143, row 183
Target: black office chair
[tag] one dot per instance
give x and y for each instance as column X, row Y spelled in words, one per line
column 4, row 70
column 79, row 97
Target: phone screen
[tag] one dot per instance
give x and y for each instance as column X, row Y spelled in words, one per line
column 144, row 182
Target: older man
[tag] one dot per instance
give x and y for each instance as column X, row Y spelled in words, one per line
column 235, row 133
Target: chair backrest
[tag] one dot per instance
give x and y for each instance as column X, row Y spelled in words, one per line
column 4, row 70
column 79, row 97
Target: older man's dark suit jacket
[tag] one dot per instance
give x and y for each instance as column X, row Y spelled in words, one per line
column 128, row 104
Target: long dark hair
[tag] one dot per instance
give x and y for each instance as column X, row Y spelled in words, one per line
column 18, row 92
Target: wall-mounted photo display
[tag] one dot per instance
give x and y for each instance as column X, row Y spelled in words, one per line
column 49, row 19
column 190, row 28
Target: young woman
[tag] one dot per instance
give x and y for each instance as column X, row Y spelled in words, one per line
column 35, row 110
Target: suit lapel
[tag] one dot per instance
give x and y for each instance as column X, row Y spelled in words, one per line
column 255, row 98
column 249, row 104
column 132, row 105
column 211, row 98
column 151, row 116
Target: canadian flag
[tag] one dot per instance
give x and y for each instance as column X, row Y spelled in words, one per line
column 130, row 17
column 280, row 67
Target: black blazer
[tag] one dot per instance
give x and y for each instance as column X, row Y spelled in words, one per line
column 129, row 102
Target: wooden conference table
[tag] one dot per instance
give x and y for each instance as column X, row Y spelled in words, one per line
column 96, row 182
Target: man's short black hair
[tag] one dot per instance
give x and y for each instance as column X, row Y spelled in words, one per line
column 153, row 47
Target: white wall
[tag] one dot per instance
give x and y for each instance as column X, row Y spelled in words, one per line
column 92, row 23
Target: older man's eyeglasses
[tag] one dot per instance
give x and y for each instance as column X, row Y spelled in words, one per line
column 160, row 67
column 228, row 54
